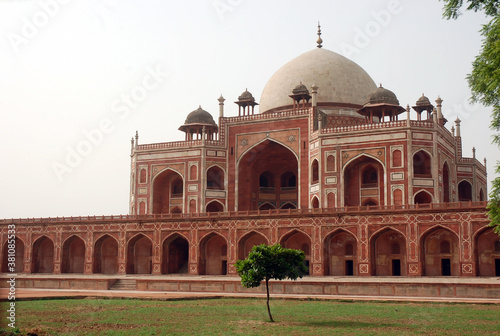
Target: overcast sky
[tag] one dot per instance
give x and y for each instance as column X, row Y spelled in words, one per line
column 78, row 78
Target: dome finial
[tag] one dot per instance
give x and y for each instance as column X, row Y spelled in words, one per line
column 319, row 41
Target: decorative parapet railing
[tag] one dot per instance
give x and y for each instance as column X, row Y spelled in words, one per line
column 333, row 212
column 364, row 127
column 179, row 144
column 272, row 115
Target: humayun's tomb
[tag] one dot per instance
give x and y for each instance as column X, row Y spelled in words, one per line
column 327, row 162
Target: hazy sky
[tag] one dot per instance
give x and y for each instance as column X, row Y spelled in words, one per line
column 78, row 78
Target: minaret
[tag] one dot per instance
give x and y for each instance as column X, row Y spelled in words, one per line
column 221, row 106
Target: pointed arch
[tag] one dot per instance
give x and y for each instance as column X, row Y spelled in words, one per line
column 288, row 205
column 175, row 254
column 215, row 206
column 259, row 175
column 446, row 182
column 388, row 251
column 215, row 178
column 213, row 254
column 422, row 197
column 422, row 163
column 340, row 253
column 315, row 202
column 487, row 252
column 106, row 255
column 266, row 206
column 299, row 240
column 248, row 241
column 16, row 249
column 73, row 255
column 42, row 257
column 314, row 171
column 168, row 191
column 435, row 261
column 363, row 177
column 464, row 191
column 139, row 255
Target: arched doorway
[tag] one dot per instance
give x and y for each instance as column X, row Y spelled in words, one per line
column 213, row 255
column 43, row 255
column 139, row 255
column 18, row 251
column 488, row 253
column 248, row 241
column 388, row 253
column 267, row 173
column 215, row 178
column 215, row 206
column 422, row 164
column 73, row 255
column 299, row 241
column 175, row 255
column 464, row 191
column 168, row 192
column 446, row 183
column 364, row 182
column 340, row 254
column 440, row 253
column 422, row 197
column 106, row 255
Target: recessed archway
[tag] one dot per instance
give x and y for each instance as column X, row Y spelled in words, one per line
column 422, row 197
column 73, row 255
column 267, row 173
column 340, row 254
column 215, row 206
column 106, row 255
column 487, row 251
column 440, row 253
column 215, row 178
column 388, row 253
column 139, row 255
column 299, row 241
column 446, row 183
column 43, row 255
column 175, row 255
column 213, row 255
column 363, row 182
column 248, row 241
column 168, row 191
column 18, row 249
column 464, row 191
column 422, row 164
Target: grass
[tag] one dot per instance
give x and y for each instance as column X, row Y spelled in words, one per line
column 249, row 317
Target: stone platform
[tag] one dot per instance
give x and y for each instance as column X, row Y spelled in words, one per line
column 453, row 289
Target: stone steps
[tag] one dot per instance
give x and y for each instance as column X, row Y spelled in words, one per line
column 124, row 284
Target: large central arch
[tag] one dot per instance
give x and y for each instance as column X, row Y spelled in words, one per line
column 267, row 175
column 168, row 192
column 364, row 182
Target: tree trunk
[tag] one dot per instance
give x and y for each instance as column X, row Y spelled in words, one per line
column 268, row 309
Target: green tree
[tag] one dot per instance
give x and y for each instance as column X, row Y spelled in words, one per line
column 484, row 80
column 265, row 262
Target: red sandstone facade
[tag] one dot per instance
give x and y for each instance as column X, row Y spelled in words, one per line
column 336, row 174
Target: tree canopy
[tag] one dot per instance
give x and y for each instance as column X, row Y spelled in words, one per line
column 484, row 80
column 265, row 262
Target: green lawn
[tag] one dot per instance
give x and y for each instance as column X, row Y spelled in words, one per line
column 249, row 317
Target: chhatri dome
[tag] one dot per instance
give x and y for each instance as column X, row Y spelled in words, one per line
column 340, row 80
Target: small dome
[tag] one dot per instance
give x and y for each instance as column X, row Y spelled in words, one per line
column 300, row 89
column 423, row 101
column 246, row 96
column 382, row 96
column 199, row 116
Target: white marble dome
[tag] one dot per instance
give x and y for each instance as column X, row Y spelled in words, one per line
column 339, row 79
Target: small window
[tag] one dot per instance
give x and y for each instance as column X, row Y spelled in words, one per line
column 497, row 246
column 315, row 172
